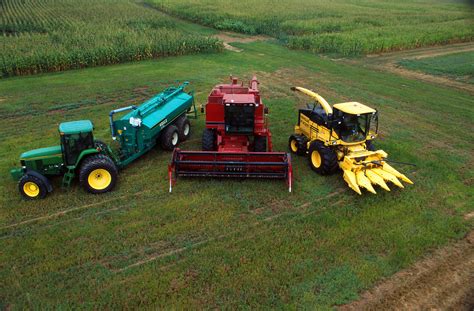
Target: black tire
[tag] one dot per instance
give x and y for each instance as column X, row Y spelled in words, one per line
column 208, row 140
column 32, row 187
column 184, row 127
column 260, row 144
column 98, row 174
column 370, row 145
column 297, row 144
column 323, row 160
column 170, row 138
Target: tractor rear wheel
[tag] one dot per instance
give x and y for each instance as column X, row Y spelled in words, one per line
column 322, row 159
column 184, row 127
column 32, row 187
column 208, row 140
column 170, row 138
column 98, row 174
column 297, row 144
column 260, row 144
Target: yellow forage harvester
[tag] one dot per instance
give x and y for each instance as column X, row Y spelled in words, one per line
column 341, row 137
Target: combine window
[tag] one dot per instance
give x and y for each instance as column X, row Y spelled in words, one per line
column 239, row 118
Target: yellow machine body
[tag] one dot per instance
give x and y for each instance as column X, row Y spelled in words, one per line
column 321, row 130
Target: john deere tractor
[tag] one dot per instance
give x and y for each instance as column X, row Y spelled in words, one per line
column 341, row 137
column 160, row 120
column 78, row 152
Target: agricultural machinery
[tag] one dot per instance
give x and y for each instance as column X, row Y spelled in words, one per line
column 341, row 137
column 236, row 141
column 162, row 119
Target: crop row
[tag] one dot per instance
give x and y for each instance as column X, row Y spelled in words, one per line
column 335, row 26
column 46, row 35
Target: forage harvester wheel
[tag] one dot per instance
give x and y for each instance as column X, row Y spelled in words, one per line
column 32, row 187
column 98, row 174
column 297, row 144
column 322, row 159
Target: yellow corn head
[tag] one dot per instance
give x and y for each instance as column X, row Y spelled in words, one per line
column 341, row 137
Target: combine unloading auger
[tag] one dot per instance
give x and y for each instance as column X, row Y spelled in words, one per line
column 236, row 142
column 341, row 137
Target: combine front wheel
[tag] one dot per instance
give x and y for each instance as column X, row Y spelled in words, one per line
column 208, row 140
column 260, row 144
column 98, row 174
column 322, row 159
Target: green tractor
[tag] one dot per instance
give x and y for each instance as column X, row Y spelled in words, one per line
column 160, row 120
column 78, row 152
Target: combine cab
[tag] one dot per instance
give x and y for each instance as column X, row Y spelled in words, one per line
column 236, row 142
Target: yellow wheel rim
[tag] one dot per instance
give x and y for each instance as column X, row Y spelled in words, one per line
column 294, row 145
column 99, row 179
column 31, row 189
column 316, row 158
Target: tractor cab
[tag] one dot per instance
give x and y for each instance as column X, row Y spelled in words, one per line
column 76, row 136
column 354, row 122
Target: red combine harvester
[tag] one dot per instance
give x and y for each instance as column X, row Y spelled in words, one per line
column 236, row 142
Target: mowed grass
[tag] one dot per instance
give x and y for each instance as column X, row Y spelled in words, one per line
column 45, row 35
column 459, row 66
column 335, row 26
column 228, row 243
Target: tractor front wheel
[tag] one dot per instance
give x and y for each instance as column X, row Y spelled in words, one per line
column 208, row 140
column 98, row 174
column 322, row 159
column 297, row 144
column 170, row 138
column 32, row 187
column 260, row 144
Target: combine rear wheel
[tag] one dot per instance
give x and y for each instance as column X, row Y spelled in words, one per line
column 98, row 174
column 208, row 140
column 260, row 144
column 170, row 137
column 323, row 160
column 297, row 144
column 32, row 187
column 184, row 127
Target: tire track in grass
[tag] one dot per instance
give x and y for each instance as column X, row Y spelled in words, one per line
column 297, row 211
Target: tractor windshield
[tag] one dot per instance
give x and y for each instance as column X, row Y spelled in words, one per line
column 352, row 128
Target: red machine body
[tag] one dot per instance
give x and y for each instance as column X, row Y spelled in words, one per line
column 236, row 141
column 236, row 114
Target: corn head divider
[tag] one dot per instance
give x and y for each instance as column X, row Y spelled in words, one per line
column 272, row 165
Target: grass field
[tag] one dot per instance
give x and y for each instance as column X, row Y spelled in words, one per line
column 459, row 66
column 335, row 26
column 227, row 243
column 47, row 35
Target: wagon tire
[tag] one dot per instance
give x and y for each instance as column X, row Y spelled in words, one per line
column 98, row 174
column 32, row 187
column 184, row 128
column 170, row 138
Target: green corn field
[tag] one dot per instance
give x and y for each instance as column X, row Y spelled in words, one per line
column 45, row 35
column 335, row 26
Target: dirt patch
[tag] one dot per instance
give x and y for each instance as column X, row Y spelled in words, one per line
column 442, row 281
column 388, row 62
column 229, row 37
